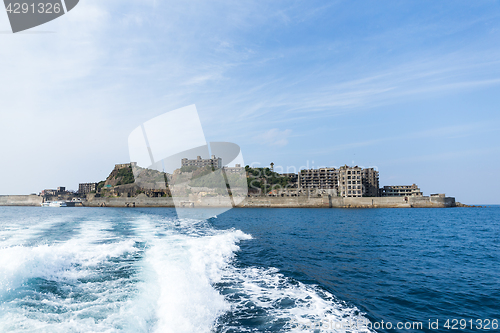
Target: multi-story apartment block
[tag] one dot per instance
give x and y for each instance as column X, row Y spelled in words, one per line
column 370, row 182
column 238, row 169
column 350, row 182
column 85, row 188
column 401, row 191
column 49, row 192
column 199, row 162
column 60, row 190
column 323, row 178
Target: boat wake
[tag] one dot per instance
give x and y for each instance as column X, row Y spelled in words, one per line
column 146, row 274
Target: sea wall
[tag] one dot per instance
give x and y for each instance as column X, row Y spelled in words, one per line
column 286, row 202
column 139, row 201
column 249, row 202
column 20, row 200
column 339, row 202
column 279, row 202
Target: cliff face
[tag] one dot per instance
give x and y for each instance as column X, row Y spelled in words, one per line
column 120, row 176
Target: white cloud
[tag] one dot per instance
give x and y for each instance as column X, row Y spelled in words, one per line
column 275, row 137
column 69, row 99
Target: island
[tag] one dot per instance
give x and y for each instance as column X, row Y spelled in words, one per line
column 205, row 182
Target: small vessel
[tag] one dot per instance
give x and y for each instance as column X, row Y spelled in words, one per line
column 54, row 204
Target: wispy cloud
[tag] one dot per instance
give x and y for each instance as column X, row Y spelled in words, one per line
column 452, row 131
column 200, row 79
column 275, row 137
column 293, row 67
column 443, row 156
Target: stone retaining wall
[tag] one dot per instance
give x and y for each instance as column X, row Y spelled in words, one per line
column 20, row 200
column 250, row 202
column 281, row 202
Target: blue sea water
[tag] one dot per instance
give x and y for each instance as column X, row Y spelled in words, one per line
column 249, row 270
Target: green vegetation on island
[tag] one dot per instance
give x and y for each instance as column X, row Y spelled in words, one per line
column 265, row 179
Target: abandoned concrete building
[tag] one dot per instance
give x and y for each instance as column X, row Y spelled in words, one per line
column 215, row 162
column 401, row 191
column 347, row 181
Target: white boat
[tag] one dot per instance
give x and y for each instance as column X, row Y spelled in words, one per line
column 54, row 204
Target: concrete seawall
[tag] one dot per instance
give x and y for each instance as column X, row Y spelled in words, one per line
column 282, row 202
column 139, row 201
column 338, row 202
column 250, row 202
column 20, row 200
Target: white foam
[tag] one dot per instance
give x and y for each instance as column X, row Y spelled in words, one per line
column 14, row 232
column 171, row 284
column 295, row 306
column 71, row 266
column 170, row 291
column 180, row 270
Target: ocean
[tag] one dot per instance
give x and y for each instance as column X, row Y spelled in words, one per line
column 249, row 270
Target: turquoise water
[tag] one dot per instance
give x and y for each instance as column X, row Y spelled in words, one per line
column 248, row 270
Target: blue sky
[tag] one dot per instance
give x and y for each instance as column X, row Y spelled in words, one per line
column 410, row 87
